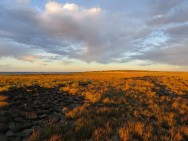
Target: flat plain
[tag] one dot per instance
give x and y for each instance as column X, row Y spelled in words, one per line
column 95, row 106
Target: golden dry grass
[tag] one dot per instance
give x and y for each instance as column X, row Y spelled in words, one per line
column 3, row 102
column 118, row 105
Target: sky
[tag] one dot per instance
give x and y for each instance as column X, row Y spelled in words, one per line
column 90, row 35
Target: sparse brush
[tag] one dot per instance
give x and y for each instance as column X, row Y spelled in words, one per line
column 3, row 104
column 130, row 105
column 3, row 98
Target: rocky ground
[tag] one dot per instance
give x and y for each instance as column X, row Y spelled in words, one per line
column 31, row 108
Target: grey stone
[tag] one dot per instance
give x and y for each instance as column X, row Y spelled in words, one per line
column 19, row 126
column 73, row 105
column 31, row 115
column 17, row 139
column 3, row 137
column 54, row 119
column 27, row 132
column 43, row 116
column 57, row 108
column 62, row 121
column 3, row 127
column 12, row 125
column 3, row 119
column 18, row 119
column 10, row 133
column 28, row 108
column 42, row 112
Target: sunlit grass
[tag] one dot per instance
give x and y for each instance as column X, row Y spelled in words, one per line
column 118, row 105
column 3, row 102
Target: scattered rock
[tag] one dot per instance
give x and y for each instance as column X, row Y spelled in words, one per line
column 54, row 119
column 42, row 112
column 10, row 133
column 25, row 125
column 57, row 108
column 3, row 137
column 3, row 119
column 12, row 125
column 115, row 138
column 27, row 111
column 73, row 105
column 19, row 126
column 141, row 118
column 28, row 108
column 18, row 119
column 62, row 121
column 3, row 128
column 43, row 116
column 15, row 114
column 27, row 132
column 31, row 115
column 22, row 113
column 17, row 139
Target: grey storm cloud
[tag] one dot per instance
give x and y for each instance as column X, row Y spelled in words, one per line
column 11, row 49
column 94, row 34
column 179, row 32
column 176, row 55
column 177, row 15
column 161, row 7
column 173, row 52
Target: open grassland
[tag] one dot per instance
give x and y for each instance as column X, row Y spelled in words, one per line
column 95, row 106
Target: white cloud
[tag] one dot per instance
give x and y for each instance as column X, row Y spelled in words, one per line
column 94, row 34
column 97, row 35
column 57, row 7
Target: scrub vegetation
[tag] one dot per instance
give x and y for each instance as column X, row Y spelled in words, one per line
column 102, row 106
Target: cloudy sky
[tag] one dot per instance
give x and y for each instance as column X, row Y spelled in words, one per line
column 83, row 35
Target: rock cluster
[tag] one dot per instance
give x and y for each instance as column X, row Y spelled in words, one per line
column 30, row 108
